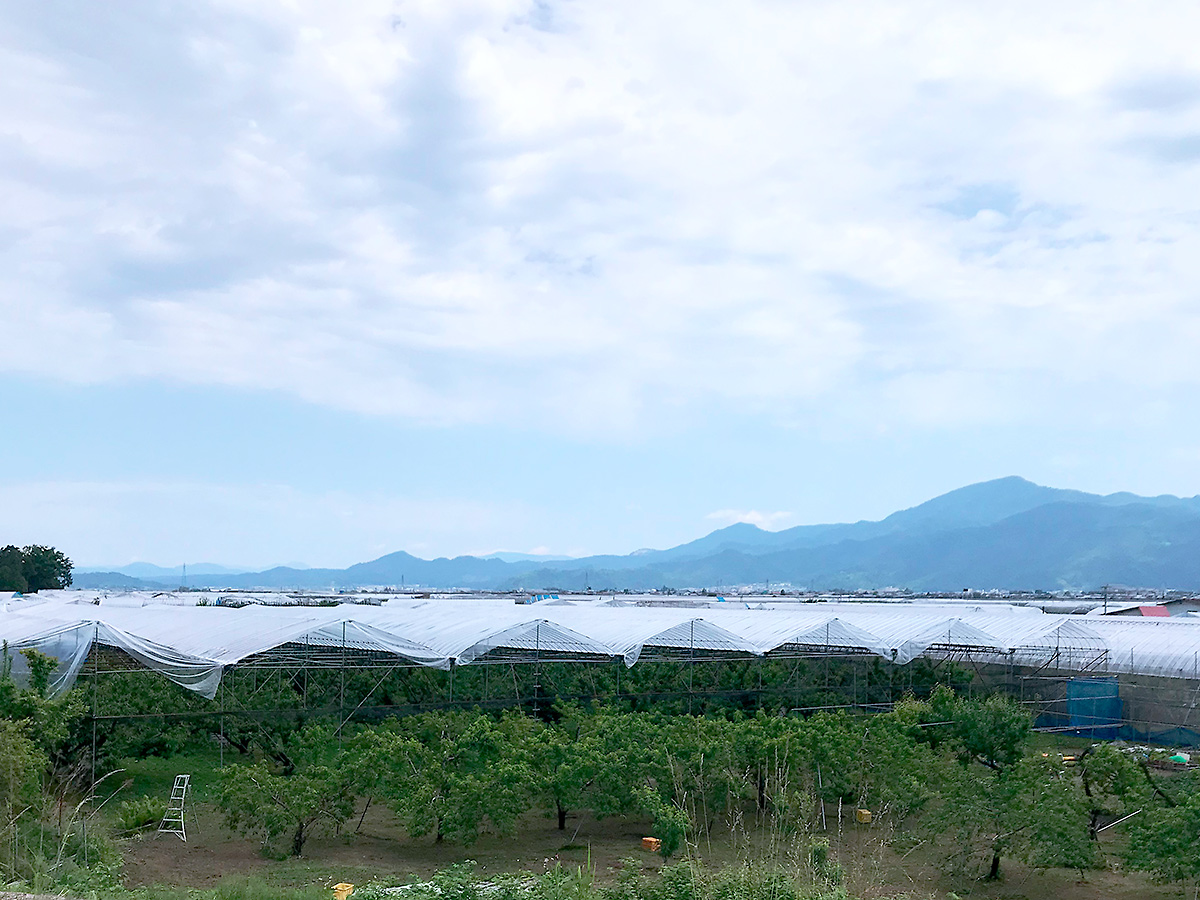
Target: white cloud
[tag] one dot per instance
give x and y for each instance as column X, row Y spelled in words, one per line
column 609, row 216
column 770, row 521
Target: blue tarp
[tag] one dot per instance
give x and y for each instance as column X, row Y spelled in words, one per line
column 1094, row 706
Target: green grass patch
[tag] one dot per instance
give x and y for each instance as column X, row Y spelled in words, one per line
column 153, row 776
column 241, row 888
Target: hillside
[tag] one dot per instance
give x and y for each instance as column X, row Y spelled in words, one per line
column 1006, row 533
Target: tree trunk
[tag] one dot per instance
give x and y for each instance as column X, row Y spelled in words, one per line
column 994, row 872
column 298, row 840
column 562, row 816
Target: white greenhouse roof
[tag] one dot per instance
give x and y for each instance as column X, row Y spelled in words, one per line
column 193, row 644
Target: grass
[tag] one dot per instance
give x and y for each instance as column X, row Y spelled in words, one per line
column 234, row 888
column 154, row 776
column 1045, row 742
column 683, row 881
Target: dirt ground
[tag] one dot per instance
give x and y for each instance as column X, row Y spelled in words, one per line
column 380, row 850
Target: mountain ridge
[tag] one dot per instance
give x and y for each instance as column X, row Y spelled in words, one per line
column 985, row 535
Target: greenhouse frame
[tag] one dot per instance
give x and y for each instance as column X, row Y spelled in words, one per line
column 195, row 639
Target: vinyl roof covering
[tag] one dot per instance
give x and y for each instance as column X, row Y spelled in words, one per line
column 1169, row 647
column 192, row 645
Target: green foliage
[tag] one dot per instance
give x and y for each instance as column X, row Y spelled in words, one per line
column 995, row 731
column 772, row 757
column 154, row 777
column 48, row 719
column 997, row 800
column 236, row 888
column 46, row 568
column 139, row 814
column 34, row 732
column 824, row 868
column 257, row 889
column 1034, row 809
column 33, row 568
column 87, row 862
column 1164, row 839
column 695, row 756
column 12, row 565
column 21, row 768
column 48, row 722
column 895, row 772
column 578, row 762
column 141, row 695
column 961, row 765
column 671, row 822
column 692, row 881
column 1051, row 801
column 832, row 745
column 318, row 794
column 450, row 774
column 1113, row 783
column 76, row 859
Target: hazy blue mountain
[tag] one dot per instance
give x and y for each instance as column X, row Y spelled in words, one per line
column 107, row 581
column 506, row 556
column 394, row 569
column 1060, row 545
column 984, row 503
column 1006, row 533
column 152, row 572
column 977, row 504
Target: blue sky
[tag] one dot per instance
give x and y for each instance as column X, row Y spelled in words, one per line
column 311, row 283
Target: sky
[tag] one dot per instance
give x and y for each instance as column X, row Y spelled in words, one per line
column 309, row 283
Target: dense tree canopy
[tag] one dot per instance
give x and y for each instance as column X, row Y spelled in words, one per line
column 963, row 766
column 316, row 794
column 33, row 568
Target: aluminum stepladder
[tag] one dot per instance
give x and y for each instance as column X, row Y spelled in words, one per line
column 172, row 822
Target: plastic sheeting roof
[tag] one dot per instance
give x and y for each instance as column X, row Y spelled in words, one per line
column 1169, row 647
column 192, row 645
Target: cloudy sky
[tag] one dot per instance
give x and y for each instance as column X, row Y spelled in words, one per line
column 311, row 282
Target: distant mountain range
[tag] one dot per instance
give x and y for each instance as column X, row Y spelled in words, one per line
column 1008, row 533
column 151, row 572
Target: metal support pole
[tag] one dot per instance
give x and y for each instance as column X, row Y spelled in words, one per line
column 537, row 665
column 95, row 683
column 691, row 661
column 342, row 690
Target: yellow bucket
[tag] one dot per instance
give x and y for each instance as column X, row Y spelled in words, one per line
column 342, row 891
